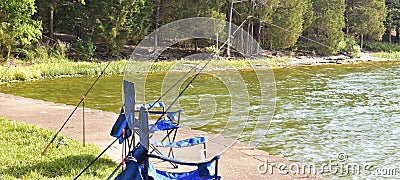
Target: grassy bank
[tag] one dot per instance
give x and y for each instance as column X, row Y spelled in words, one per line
column 21, row 145
column 51, row 70
column 388, row 55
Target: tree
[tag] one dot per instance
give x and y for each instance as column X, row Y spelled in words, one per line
column 327, row 26
column 46, row 11
column 392, row 18
column 366, row 17
column 17, row 28
column 173, row 10
column 289, row 18
column 113, row 22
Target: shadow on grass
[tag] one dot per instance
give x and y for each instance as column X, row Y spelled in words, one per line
column 69, row 166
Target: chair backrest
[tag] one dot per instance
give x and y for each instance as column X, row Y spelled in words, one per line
column 144, row 127
column 129, row 103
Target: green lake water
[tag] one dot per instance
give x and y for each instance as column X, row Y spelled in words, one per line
column 321, row 111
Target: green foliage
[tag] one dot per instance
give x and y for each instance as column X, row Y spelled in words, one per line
column 352, row 47
column 392, row 13
column 85, row 49
column 16, row 26
column 114, row 22
column 213, row 50
column 382, row 46
column 42, row 53
column 366, row 17
column 21, row 144
column 288, row 14
column 327, row 26
column 173, row 10
column 388, row 55
column 50, row 70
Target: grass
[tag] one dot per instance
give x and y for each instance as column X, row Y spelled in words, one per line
column 381, row 46
column 387, row 55
column 57, row 69
column 21, row 145
column 51, row 70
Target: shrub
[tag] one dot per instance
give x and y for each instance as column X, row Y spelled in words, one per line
column 352, row 47
column 85, row 49
column 381, row 46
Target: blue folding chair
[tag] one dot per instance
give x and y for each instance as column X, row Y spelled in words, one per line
column 139, row 166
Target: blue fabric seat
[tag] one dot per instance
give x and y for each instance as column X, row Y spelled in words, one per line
column 183, row 143
column 135, row 169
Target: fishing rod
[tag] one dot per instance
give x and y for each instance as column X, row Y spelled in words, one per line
column 180, row 94
column 163, row 95
column 91, row 163
column 81, row 101
column 196, row 75
column 76, row 107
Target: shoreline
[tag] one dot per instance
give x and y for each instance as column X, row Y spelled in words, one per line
column 16, row 74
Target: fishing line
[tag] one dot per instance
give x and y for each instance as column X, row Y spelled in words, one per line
column 195, row 67
column 163, row 95
column 196, row 75
column 91, row 163
column 301, row 36
column 76, row 107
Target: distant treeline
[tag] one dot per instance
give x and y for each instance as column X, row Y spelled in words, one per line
column 91, row 27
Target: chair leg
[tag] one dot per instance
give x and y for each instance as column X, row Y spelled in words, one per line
column 216, row 170
column 205, row 151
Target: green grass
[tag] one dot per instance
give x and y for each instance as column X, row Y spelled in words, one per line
column 57, row 69
column 51, row 70
column 21, row 145
column 392, row 55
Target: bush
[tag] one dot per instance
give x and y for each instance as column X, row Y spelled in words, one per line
column 352, row 47
column 43, row 53
column 382, row 46
column 85, row 49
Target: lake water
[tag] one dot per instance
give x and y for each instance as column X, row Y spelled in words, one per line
column 322, row 112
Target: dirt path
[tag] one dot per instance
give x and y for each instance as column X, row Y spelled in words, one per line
column 238, row 162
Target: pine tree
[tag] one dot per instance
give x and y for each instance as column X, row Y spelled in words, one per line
column 366, row 17
column 327, row 26
column 114, row 22
column 392, row 18
column 289, row 20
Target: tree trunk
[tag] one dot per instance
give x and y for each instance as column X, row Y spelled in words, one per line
column 241, row 42
column 50, row 24
column 156, row 23
column 248, row 39
column 361, row 41
column 257, row 34
column 217, row 43
column 389, row 31
column 195, row 45
column 251, row 38
column 229, row 17
column 398, row 34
